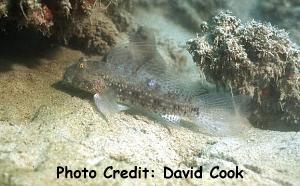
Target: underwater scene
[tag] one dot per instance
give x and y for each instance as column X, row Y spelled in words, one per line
column 161, row 92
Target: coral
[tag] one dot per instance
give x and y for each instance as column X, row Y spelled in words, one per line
column 256, row 59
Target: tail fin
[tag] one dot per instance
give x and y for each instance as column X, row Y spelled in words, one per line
column 219, row 114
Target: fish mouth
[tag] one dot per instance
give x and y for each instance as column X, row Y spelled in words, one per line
column 67, row 79
column 69, row 75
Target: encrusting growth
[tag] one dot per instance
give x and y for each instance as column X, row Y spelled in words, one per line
column 91, row 25
column 255, row 59
column 286, row 16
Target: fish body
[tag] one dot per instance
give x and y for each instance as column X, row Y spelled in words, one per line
column 135, row 75
column 132, row 85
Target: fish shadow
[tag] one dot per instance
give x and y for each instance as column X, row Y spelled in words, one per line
column 61, row 86
column 24, row 47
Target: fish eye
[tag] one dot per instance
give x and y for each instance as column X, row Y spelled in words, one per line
column 82, row 66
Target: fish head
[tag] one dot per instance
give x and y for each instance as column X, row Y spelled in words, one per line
column 82, row 76
column 75, row 71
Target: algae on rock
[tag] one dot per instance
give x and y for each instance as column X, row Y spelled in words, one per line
column 91, row 25
column 256, row 59
column 285, row 13
column 3, row 8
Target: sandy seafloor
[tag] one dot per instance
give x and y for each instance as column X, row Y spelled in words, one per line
column 43, row 126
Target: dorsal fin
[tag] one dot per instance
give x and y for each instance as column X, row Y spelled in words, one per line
column 143, row 34
column 143, row 41
column 140, row 61
column 140, row 53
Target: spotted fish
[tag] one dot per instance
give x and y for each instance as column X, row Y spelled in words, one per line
column 134, row 74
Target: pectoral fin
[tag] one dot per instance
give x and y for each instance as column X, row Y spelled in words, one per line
column 107, row 105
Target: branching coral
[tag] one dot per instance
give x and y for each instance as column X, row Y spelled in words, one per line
column 256, row 59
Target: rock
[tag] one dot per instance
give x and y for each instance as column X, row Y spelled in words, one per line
column 88, row 25
column 257, row 60
column 286, row 16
